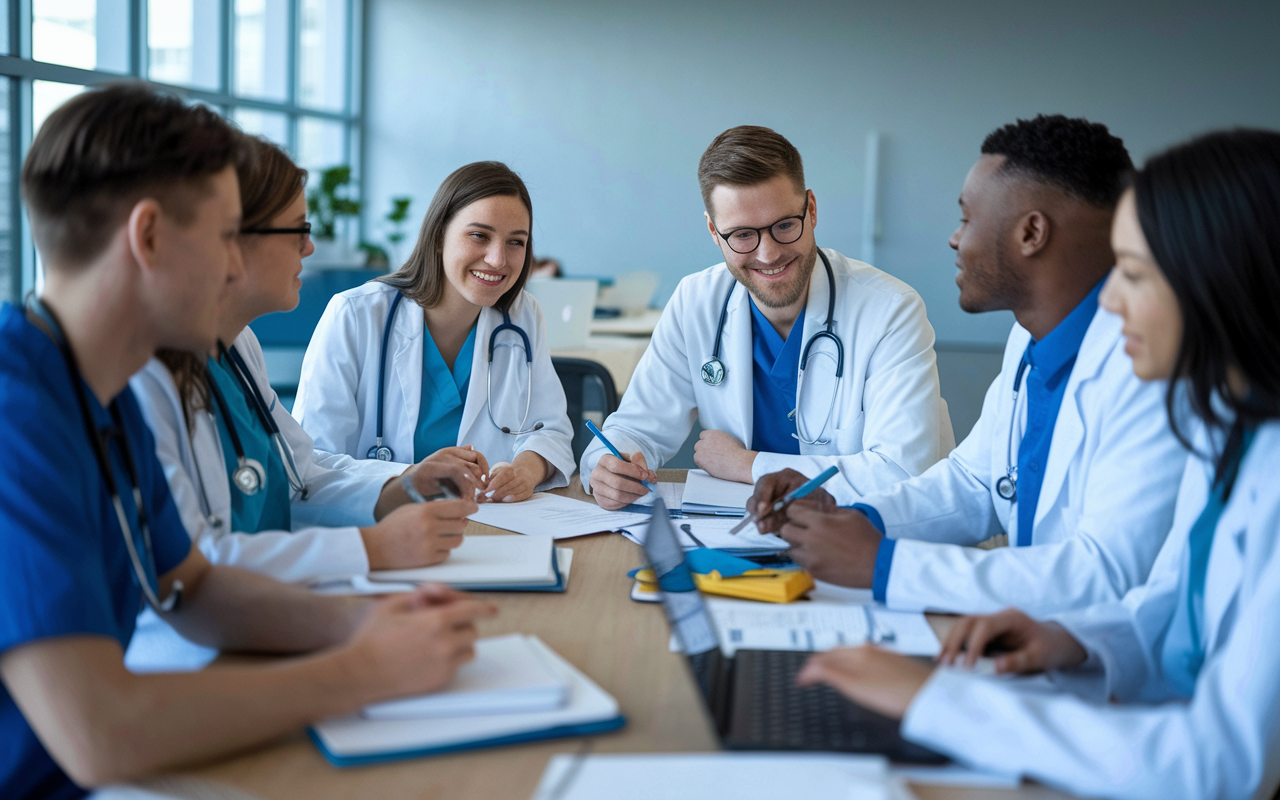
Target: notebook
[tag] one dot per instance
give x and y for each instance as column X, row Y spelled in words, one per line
column 353, row 740
column 509, row 675
column 489, row 563
column 704, row 494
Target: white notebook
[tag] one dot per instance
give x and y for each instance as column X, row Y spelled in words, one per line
column 485, row 561
column 352, row 740
column 704, row 494
column 510, row 674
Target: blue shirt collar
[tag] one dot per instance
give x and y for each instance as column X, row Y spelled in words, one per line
column 1059, row 347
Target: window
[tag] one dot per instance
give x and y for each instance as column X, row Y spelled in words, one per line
column 283, row 69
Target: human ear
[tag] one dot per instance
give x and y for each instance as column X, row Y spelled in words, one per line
column 143, row 232
column 711, row 229
column 1033, row 233
column 813, row 209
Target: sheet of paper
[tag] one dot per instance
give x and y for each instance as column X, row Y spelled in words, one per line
column 547, row 514
column 697, row 776
column 705, row 492
column 484, row 561
column 712, row 532
column 954, row 775
column 815, row 626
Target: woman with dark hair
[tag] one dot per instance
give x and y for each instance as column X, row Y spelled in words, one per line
column 1190, row 660
column 447, row 357
column 251, row 490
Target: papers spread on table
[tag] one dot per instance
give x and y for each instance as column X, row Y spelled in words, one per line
column 712, row 532
column 704, row 494
column 817, row 626
column 697, row 776
column 547, row 514
column 354, row 739
column 508, row 675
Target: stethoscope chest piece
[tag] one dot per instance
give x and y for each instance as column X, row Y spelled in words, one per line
column 379, row 452
column 249, row 477
column 1007, row 487
column 713, row 371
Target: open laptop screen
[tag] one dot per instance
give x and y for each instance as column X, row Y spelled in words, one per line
column 681, row 600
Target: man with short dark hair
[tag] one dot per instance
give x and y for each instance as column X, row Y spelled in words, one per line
column 1072, row 456
column 788, row 354
column 135, row 208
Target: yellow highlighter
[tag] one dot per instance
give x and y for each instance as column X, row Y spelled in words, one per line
column 765, row 585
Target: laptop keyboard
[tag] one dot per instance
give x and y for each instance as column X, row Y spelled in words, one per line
column 770, row 712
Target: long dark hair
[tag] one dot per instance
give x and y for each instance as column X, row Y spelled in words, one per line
column 422, row 278
column 1210, row 211
column 269, row 182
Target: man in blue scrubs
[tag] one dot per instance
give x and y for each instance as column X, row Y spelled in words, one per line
column 731, row 343
column 1072, row 456
column 135, row 209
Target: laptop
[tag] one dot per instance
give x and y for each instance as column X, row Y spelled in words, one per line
column 752, row 696
column 568, row 306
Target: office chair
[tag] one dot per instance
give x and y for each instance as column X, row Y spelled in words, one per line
column 591, row 395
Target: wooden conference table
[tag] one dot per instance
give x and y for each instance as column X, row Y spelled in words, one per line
column 620, row 644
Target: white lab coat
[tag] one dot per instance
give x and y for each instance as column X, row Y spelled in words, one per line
column 341, row 492
column 1105, row 504
column 337, row 400
column 889, row 421
column 1224, row 742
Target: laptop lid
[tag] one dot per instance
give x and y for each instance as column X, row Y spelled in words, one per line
column 567, row 306
column 681, row 601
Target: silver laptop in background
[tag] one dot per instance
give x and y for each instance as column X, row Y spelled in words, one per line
column 568, row 304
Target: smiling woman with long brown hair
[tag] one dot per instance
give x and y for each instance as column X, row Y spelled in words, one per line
column 447, row 358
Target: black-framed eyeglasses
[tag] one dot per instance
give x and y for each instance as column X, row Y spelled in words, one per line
column 784, row 231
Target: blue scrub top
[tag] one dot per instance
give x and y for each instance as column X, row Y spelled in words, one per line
column 444, row 394
column 1049, row 365
column 269, row 509
column 776, row 362
column 64, row 569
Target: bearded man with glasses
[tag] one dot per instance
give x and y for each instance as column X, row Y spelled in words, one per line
column 784, row 364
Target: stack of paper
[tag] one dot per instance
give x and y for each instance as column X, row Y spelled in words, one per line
column 488, row 563
column 713, row 532
column 555, row 516
column 509, row 675
column 356, row 739
column 704, row 494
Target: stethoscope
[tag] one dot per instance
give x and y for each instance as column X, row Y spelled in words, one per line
column 250, row 476
column 713, row 369
column 101, row 455
column 383, row 452
column 1007, row 485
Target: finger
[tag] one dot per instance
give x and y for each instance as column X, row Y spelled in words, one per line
column 458, row 509
column 813, row 672
column 465, row 612
column 984, row 631
column 956, row 638
column 434, row 594
column 625, row 485
column 481, row 462
column 638, row 460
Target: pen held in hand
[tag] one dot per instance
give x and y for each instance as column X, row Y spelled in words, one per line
column 591, row 426
column 803, row 490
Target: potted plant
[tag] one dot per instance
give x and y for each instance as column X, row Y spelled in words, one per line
column 382, row 257
column 328, row 205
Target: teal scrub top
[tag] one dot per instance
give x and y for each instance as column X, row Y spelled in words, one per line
column 269, row 509
column 444, row 393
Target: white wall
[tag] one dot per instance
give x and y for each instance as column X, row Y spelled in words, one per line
column 605, row 107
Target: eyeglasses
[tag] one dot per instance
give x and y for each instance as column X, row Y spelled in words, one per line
column 304, row 230
column 784, row 231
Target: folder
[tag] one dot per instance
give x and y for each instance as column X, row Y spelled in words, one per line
column 354, row 740
column 704, row 494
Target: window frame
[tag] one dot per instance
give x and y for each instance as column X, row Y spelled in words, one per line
column 20, row 70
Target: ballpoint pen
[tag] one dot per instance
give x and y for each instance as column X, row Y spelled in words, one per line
column 591, row 426
column 795, row 494
column 448, row 489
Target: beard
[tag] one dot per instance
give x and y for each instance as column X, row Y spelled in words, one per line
column 991, row 286
column 778, row 296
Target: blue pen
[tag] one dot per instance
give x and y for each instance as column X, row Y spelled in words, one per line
column 591, row 426
column 795, row 494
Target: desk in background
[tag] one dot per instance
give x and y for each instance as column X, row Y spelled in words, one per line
column 620, row 644
column 627, row 324
column 618, row 354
